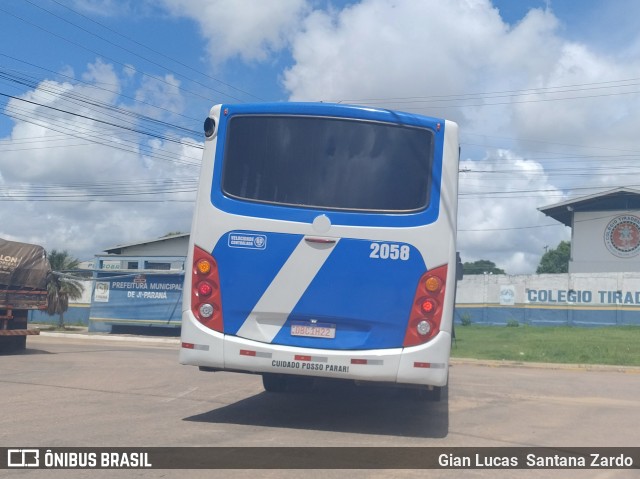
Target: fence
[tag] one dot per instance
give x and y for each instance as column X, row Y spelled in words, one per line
column 579, row 299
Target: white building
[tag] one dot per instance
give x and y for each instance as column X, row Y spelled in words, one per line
column 602, row 287
column 605, row 231
column 172, row 245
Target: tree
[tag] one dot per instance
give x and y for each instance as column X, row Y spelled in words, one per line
column 556, row 260
column 60, row 287
column 481, row 266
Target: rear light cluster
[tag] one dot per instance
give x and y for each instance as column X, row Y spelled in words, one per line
column 426, row 311
column 206, row 303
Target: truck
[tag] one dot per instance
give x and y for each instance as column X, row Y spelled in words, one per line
column 24, row 269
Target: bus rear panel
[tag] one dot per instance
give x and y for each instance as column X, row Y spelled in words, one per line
column 323, row 244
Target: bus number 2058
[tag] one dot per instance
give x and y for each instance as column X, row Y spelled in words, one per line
column 389, row 251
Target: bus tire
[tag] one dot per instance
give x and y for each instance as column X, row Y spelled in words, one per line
column 437, row 394
column 274, row 383
column 300, row 383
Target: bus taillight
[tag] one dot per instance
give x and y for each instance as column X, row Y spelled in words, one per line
column 206, row 304
column 426, row 312
column 204, row 289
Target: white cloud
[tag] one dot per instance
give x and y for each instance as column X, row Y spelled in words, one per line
column 502, row 226
column 243, row 28
column 103, row 8
column 460, row 60
column 158, row 95
column 589, row 96
column 384, row 49
column 45, row 165
column 460, row 51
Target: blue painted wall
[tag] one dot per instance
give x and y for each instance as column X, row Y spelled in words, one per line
column 578, row 299
column 77, row 314
column 141, row 299
column 501, row 315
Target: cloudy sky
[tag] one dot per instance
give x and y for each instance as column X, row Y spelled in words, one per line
column 102, row 103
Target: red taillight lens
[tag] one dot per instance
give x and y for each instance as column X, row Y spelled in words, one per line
column 205, row 289
column 429, row 305
column 206, row 301
column 426, row 312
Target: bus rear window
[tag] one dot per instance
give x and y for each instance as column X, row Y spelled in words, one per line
column 328, row 163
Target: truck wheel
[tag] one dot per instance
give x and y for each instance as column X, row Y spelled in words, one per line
column 20, row 343
column 13, row 343
column 274, row 383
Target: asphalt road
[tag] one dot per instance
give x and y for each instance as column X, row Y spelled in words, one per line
column 106, row 392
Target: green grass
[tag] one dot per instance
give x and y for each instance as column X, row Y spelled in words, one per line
column 610, row 345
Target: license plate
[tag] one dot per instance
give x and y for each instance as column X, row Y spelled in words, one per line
column 313, row 330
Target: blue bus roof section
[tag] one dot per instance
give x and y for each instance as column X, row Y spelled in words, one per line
column 306, row 214
column 333, row 110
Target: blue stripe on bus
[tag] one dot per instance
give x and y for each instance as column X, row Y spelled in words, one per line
column 245, row 273
column 369, row 300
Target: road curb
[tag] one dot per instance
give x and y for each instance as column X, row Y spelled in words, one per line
column 111, row 337
column 553, row 366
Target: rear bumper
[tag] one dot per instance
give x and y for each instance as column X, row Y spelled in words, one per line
column 19, row 332
column 425, row 364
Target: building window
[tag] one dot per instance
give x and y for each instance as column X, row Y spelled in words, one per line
column 157, row 266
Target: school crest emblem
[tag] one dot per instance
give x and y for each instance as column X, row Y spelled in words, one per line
column 622, row 236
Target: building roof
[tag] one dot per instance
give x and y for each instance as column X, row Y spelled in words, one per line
column 616, row 199
column 118, row 248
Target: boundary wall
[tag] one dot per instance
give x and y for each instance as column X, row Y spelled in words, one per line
column 577, row 299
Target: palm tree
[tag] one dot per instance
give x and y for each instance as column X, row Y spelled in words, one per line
column 60, row 287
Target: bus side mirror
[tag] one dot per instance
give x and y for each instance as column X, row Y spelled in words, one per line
column 459, row 268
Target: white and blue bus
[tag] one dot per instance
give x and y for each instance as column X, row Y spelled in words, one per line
column 323, row 244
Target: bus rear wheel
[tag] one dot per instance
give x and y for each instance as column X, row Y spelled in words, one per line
column 437, row 394
column 274, row 383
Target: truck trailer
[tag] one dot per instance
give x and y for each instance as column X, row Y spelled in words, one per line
column 24, row 269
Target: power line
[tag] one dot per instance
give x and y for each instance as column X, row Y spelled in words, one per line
column 547, row 142
column 124, row 65
column 97, row 120
column 95, row 86
column 158, row 52
column 503, row 93
column 100, row 190
column 90, row 103
column 515, row 228
column 125, row 49
column 134, row 149
column 129, row 125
